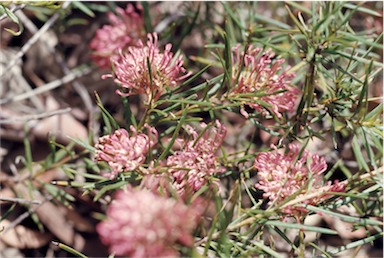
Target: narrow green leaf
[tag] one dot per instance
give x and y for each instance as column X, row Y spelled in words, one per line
column 5, row 214
column 37, row 221
column 375, row 113
column 232, row 15
column 267, row 249
column 27, row 149
column 368, row 149
column 362, row 9
column 299, row 6
column 346, row 36
column 228, row 55
column 82, row 143
column 325, row 21
column 300, row 227
column 86, row 175
column 187, row 29
column 356, row 146
column 327, row 62
column 186, row 101
column 108, row 119
column 297, row 22
column 215, row 45
column 59, row 194
column 84, row 8
column 197, row 88
column 129, row 117
column 285, row 237
column 320, row 249
column 14, row 18
column 147, row 17
column 362, row 104
column 69, row 249
column 355, row 57
column 109, row 185
column 274, row 22
column 357, row 243
column 346, row 218
column 191, row 79
column 99, row 7
column 333, row 133
column 175, row 135
column 262, row 127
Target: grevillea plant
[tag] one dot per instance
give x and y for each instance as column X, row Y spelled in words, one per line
column 233, row 130
column 142, row 224
column 260, row 81
column 184, row 164
column 123, row 152
column 285, row 175
column 143, row 69
column 125, row 29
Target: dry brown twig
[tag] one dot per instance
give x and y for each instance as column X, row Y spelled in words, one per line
column 76, row 73
column 19, row 200
column 35, row 117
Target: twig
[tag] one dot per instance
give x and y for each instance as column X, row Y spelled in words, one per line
column 49, row 86
column 35, row 117
column 24, row 216
column 34, row 39
column 19, row 200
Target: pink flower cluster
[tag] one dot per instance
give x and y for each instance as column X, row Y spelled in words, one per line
column 125, row 29
column 144, row 70
column 282, row 175
column 192, row 167
column 142, row 224
column 260, row 74
column 123, row 152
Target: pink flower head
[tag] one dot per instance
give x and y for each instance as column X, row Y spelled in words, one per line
column 142, row 224
column 282, row 175
column 192, row 166
column 261, row 74
column 144, row 70
column 123, row 152
column 125, row 29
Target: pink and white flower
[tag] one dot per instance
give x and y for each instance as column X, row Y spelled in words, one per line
column 123, row 152
column 282, row 175
column 125, row 28
column 146, row 70
column 142, row 224
column 196, row 163
column 259, row 77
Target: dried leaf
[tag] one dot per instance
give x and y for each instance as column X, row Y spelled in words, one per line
column 23, row 237
column 55, row 220
column 80, row 223
column 61, row 126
